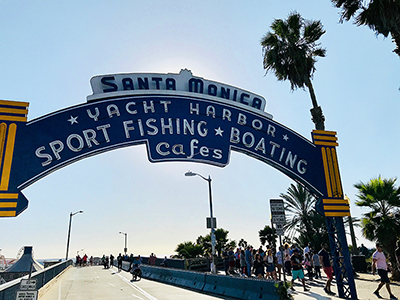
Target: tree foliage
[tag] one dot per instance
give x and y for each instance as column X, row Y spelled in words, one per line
column 382, row 223
column 204, row 243
column 382, row 16
column 268, row 235
column 303, row 222
column 189, row 250
column 290, row 51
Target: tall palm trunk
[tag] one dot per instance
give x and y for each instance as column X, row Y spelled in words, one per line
column 393, row 261
column 316, row 112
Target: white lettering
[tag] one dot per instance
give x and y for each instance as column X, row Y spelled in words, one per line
column 217, row 154
column 147, row 107
column 235, row 135
column 226, row 114
column 271, row 130
column 241, row 119
column 257, row 124
column 261, row 146
column 165, row 103
column 178, row 149
column 204, row 151
column 56, row 146
column 159, row 151
column 301, row 169
column 252, row 139
column 193, row 146
column 194, row 109
column 210, row 111
column 127, row 128
column 79, row 139
column 47, row 156
column 112, row 109
column 128, row 109
column 90, row 137
column 290, row 159
column 202, row 133
column 169, row 126
column 104, row 128
column 155, row 129
column 94, row 116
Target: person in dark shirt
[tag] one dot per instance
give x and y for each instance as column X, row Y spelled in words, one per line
column 326, row 266
column 258, row 267
column 119, row 261
column 297, row 268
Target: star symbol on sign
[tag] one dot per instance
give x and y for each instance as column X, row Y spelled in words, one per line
column 218, row 131
column 73, row 120
column 285, row 137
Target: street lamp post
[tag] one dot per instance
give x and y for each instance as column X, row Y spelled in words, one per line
column 213, row 242
column 69, row 230
column 126, row 237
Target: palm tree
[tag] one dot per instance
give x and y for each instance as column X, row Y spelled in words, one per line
column 382, row 16
column 189, row 250
column 221, row 238
column 300, row 203
column 382, row 223
column 268, row 235
column 290, row 51
column 242, row 243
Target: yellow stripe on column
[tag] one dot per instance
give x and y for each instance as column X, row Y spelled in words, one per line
column 337, row 214
column 5, row 176
column 7, row 213
column 333, row 207
column 8, row 204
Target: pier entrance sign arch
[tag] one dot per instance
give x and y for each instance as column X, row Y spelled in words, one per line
column 179, row 117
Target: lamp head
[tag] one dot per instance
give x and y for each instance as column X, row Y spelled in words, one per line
column 190, row 173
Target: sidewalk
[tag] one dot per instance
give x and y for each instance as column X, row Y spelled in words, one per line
column 366, row 284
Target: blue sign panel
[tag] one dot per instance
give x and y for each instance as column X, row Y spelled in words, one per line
column 173, row 127
column 178, row 117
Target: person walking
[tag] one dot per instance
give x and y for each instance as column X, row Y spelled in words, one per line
column 248, row 258
column 316, row 265
column 307, row 264
column 326, row 266
column 379, row 263
column 258, row 266
column 269, row 260
column 242, row 263
column 297, row 268
column 288, row 265
column 279, row 262
column 111, row 260
column 119, row 261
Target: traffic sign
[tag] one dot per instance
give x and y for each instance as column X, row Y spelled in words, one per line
column 279, row 219
column 27, row 295
column 279, row 230
column 28, row 284
column 208, row 221
column 277, row 206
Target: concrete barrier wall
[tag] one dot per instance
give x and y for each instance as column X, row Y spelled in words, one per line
column 239, row 287
column 9, row 290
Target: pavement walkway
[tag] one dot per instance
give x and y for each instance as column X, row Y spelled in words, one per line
column 366, row 284
column 97, row 283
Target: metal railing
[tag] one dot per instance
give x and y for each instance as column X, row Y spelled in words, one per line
column 9, row 290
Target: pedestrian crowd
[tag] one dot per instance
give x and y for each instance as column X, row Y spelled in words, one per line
column 83, row 261
column 272, row 264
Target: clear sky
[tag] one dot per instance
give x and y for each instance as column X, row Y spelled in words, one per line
column 49, row 50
